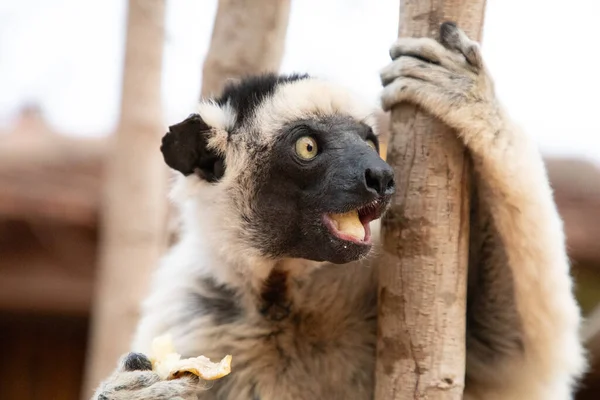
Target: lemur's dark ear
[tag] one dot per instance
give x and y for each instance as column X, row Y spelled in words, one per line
column 185, row 149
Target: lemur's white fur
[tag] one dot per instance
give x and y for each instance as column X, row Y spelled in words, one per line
column 221, row 118
column 526, row 345
column 305, row 99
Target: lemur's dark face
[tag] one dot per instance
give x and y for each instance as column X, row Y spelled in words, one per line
column 318, row 189
column 301, row 164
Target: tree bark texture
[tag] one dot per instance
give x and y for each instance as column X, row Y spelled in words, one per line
column 135, row 201
column 423, row 276
column 248, row 38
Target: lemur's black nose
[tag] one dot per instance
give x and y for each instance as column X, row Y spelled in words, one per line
column 380, row 179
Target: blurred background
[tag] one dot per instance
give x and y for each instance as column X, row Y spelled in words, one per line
column 87, row 89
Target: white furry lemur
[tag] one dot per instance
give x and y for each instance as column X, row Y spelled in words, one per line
column 266, row 269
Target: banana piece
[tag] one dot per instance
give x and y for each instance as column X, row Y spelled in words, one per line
column 168, row 364
column 349, row 224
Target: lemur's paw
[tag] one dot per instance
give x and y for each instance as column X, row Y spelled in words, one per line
column 135, row 380
column 446, row 78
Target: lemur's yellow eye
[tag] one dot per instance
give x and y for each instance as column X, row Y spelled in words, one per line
column 306, row 148
column 371, row 144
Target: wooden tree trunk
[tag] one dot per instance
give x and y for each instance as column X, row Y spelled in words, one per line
column 248, row 37
column 135, row 202
column 422, row 283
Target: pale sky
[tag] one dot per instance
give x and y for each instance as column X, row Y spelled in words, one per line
column 67, row 56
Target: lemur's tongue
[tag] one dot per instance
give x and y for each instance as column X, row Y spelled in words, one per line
column 349, row 224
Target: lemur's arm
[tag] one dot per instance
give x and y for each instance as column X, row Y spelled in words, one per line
column 523, row 321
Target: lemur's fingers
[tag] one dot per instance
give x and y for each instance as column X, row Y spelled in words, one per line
column 412, row 90
column 131, row 380
column 430, row 86
column 144, row 384
column 134, row 372
column 186, row 388
column 454, row 50
column 408, row 66
column 395, row 93
column 445, row 78
column 427, row 49
column 453, row 38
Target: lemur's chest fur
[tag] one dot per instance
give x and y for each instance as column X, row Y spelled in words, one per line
column 300, row 340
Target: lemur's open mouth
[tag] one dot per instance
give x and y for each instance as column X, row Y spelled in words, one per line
column 353, row 226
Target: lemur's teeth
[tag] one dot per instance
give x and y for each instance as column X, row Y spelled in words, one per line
column 349, row 224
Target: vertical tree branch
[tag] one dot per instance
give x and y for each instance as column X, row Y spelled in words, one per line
column 248, row 38
column 135, row 201
column 422, row 283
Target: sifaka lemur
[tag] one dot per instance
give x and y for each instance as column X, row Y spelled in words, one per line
column 280, row 187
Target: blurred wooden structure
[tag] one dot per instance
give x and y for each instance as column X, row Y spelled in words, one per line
column 49, row 202
column 42, row 356
column 49, row 199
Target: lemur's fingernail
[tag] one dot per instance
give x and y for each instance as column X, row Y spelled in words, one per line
column 137, row 362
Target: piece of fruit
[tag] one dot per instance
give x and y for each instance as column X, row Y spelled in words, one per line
column 169, row 365
column 349, row 224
